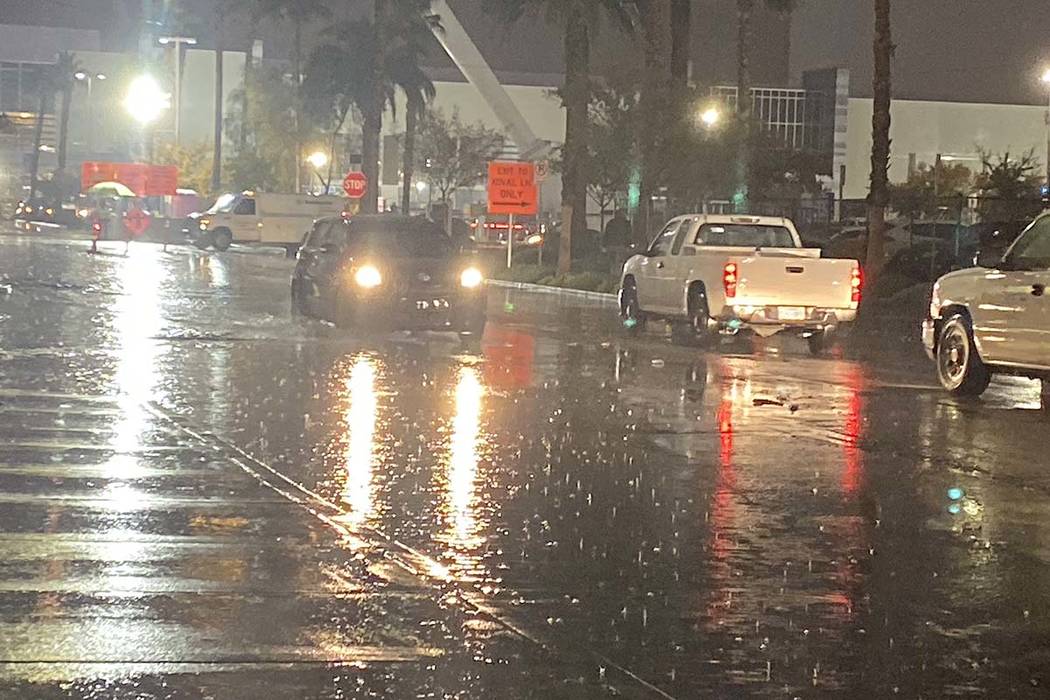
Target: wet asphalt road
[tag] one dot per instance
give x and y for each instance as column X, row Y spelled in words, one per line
column 204, row 497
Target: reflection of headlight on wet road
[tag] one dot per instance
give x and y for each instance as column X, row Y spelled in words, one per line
column 471, row 277
column 368, row 276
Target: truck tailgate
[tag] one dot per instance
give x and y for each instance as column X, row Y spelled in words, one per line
column 794, row 281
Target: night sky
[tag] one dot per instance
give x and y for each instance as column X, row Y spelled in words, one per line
column 961, row 50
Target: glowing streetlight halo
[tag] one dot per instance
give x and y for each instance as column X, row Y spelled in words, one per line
column 145, row 100
column 318, row 159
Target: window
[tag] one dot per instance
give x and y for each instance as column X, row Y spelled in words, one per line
column 679, row 239
column 399, row 238
column 321, row 234
column 744, row 236
column 19, row 84
column 1032, row 249
column 245, row 207
column 663, row 243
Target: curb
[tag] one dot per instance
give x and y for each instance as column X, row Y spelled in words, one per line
column 556, row 291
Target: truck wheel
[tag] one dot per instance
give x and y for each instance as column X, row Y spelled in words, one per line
column 695, row 330
column 222, row 239
column 959, row 366
column 631, row 312
column 819, row 342
column 203, row 240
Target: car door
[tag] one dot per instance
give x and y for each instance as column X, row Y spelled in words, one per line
column 680, row 263
column 654, row 273
column 1012, row 319
column 244, row 224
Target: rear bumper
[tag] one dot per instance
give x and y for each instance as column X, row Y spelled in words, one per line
column 767, row 321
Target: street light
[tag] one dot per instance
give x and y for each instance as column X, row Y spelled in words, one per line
column 710, row 117
column 319, row 159
column 178, row 42
column 145, row 100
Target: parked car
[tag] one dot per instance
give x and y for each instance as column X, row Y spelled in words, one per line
column 388, row 271
column 994, row 318
column 713, row 275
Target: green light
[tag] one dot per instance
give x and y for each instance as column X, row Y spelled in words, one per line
column 630, row 322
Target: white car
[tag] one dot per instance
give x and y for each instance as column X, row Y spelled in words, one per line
column 711, row 275
column 994, row 318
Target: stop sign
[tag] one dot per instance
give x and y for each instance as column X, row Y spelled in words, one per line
column 355, row 185
column 136, row 221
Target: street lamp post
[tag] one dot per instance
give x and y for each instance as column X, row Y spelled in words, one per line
column 178, row 41
column 89, row 79
column 1046, row 82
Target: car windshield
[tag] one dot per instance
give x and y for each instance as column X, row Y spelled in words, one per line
column 223, row 205
column 744, row 236
column 400, row 239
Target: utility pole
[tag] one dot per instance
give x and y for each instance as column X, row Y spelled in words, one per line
column 178, row 41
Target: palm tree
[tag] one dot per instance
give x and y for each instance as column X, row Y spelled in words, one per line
column 64, row 70
column 744, row 106
column 879, row 195
column 299, row 13
column 681, row 27
column 657, row 36
column 578, row 19
column 405, row 72
column 46, row 85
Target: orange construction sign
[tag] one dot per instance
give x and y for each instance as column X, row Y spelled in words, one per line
column 512, row 188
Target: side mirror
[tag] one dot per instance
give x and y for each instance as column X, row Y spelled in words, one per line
column 989, row 259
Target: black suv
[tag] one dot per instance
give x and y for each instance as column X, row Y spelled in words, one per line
column 391, row 271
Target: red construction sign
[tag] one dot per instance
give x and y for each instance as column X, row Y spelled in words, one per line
column 144, row 180
column 355, row 185
column 512, row 188
column 136, row 221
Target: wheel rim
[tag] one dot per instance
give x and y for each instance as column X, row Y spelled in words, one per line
column 954, row 356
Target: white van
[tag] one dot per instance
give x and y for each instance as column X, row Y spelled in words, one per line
column 268, row 219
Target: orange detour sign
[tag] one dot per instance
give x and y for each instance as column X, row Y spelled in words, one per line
column 136, row 221
column 512, row 188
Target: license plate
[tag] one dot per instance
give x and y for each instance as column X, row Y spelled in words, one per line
column 791, row 313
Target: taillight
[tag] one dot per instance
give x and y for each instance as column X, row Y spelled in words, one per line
column 729, row 280
column 856, row 283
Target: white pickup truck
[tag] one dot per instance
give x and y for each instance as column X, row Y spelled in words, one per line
column 711, row 275
column 995, row 318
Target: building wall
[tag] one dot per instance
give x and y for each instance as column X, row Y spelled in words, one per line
column 954, row 129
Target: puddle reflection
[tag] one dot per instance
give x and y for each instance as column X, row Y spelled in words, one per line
column 361, row 414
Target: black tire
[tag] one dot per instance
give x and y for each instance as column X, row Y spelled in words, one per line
column 203, row 240
column 959, row 365
column 222, row 239
column 298, row 299
column 631, row 312
column 695, row 331
column 818, row 343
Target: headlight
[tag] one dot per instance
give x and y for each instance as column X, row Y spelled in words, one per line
column 83, row 213
column 534, row 239
column 368, row 277
column 471, row 277
column 50, row 211
column 29, row 210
